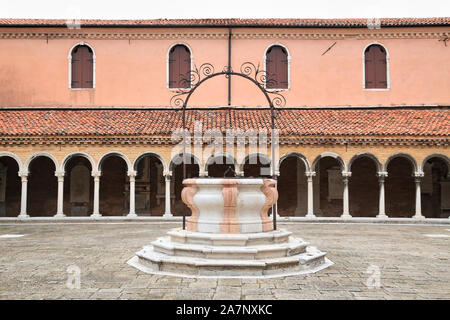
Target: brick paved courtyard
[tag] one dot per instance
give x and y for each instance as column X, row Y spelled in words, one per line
column 412, row 265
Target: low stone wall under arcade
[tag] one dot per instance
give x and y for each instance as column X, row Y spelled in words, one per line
column 323, row 181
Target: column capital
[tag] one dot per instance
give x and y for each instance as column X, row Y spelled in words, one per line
column 23, row 174
column 346, row 176
column 239, row 173
column 132, row 173
column 418, row 176
column 310, row 174
column 167, row 174
column 96, row 174
column 59, row 174
column 382, row 174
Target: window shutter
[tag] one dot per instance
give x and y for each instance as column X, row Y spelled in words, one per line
column 88, row 66
column 82, row 67
column 277, row 68
column 185, row 67
column 179, row 67
column 173, row 68
column 76, row 68
column 375, row 67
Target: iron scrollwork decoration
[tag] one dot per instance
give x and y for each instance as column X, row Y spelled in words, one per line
column 248, row 70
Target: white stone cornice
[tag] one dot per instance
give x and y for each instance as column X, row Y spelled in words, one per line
column 366, row 34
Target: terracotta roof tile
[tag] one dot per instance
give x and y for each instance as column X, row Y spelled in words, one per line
column 305, row 122
column 346, row 23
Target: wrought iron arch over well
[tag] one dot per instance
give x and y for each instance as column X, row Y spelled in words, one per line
column 249, row 71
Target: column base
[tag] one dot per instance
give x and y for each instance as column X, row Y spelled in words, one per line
column 132, row 215
column 96, row 215
column 167, row 215
column 418, row 216
column 382, row 216
column 59, row 215
column 346, row 216
column 310, row 215
column 23, row 216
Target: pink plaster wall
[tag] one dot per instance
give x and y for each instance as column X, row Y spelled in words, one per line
column 34, row 72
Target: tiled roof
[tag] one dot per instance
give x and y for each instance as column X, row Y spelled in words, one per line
column 297, row 122
column 327, row 23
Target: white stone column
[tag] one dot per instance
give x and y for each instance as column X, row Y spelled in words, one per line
column 132, row 178
column 310, row 209
column 96, row 212
column 275, row 207
column 298, row 210
column 60, row 204
column 345, row 206
column 167, row 212
column 23, row 199
column 417, row 178
column 381, row 203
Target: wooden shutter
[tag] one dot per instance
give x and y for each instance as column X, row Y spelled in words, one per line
column 375, row 67
column 179, row 67
column 277, row 68
column 88, row 67
column 76, row 68
column 82, row 67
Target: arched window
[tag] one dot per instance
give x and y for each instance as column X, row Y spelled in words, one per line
column 375, row 67
column 179, row 66
column 277, row 68
column 82, row 67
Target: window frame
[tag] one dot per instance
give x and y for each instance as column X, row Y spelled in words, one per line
column 288, row 66
column 388, row 78
column 69, row 58
column 167, row 65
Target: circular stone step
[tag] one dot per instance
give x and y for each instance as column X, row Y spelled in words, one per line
column 279, row 255
column 247, row 239
column 271, row 250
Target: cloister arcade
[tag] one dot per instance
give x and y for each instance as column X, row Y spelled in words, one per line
column 327, row 186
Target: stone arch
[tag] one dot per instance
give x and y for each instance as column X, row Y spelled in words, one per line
column 35, row 155
column 435, row 186
column 403, row 155
column 367, row 155
column 263, row 165
column 10, row 186
column 259, row 155
column 218, row 155
column 149, row 153
column 173, row 161
column 13, row 156
column 78, row 154
column 332, row 155
column 435, row 155
column 400, row 193
column 294, row 154
column 42, row 185
column 363, row 186
column 111, row 154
